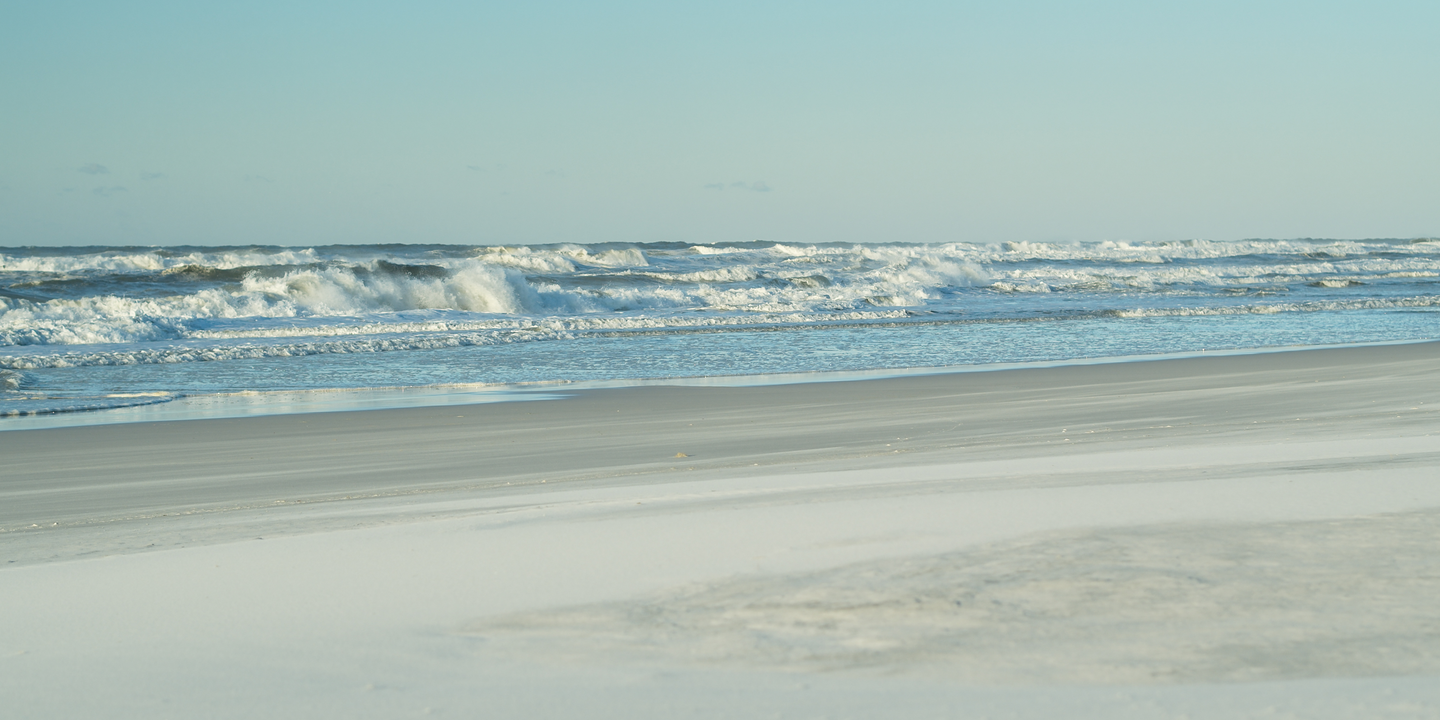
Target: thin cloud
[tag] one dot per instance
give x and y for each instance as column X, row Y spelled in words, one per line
column 258, row 178
column 108, row 191
column 715, row 186
column 95, row 169
column 151, row 176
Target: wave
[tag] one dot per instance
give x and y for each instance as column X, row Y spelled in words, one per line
column 393, row 337
column 1426, row 301
column 557, row 324
column 1176, row 276
column 52, row 405
column 238, row 344
column 382, row 286
column 78, row 324
column 136, row 295
column 154, row 260
column 567, row 257
column 184, row 354
column 562, row 259
column 325, row 291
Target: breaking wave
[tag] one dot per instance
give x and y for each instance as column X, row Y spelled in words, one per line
column 300, row 301
column 96, row 328
column 175, row 296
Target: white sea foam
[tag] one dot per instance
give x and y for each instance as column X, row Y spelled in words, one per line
column 317, row 292
column 714, row 250
column 326, row 291
column 1011, row 287
column 902, row 278
column 1428, row 301
column 51, row 405
column 624, row 257
column 209, row 353
column 333, row 292
column 717, row 275
column 230, row 344
column 564, row 259
column 87, row 322
column 341, row 291
column 585, row 323
column 133, row 261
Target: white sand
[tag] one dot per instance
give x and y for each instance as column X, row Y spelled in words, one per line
column 1248, row 536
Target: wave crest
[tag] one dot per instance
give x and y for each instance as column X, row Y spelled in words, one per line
column 390, row 286
column 126, row 295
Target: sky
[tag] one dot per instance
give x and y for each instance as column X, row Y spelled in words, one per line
column 305, row 123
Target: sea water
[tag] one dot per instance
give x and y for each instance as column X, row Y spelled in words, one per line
column 98, row 328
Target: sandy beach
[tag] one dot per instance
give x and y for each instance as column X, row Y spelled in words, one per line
column 1238, row 536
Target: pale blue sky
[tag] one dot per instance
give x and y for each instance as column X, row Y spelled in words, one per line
column 307, row 123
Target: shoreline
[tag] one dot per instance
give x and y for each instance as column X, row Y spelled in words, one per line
column 1217, row 536
column 610, row 434
column 285, row 402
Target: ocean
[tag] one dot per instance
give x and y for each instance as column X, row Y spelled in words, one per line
column 88, row 331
